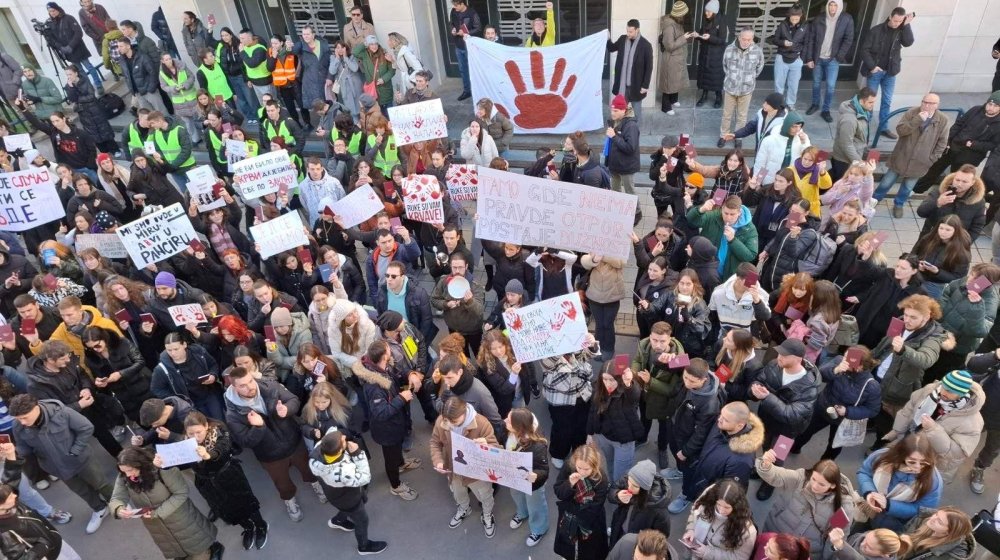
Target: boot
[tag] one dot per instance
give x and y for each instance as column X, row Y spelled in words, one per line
column 718, row 100
column 662, row 459
column 701, row 100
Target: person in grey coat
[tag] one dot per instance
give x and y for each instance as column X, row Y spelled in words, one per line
column 345, row 78
column 854, row 125
column 61, row 439
column 649, row 543
column 10, row 76
column 314, row 59
column 160, row 498
column 196, row 37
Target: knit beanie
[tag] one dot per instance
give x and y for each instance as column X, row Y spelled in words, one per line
column 712, row 6
column 389, row 320
column 994, row 98
column 775, row 100
column 680, row 9
column 166, row 279
column 514, row 286
column 696, row 179
column 958, row 381
column 101, row 157
column 668, row 141
column 281, row 317
column 643, row 474
column 619, row 102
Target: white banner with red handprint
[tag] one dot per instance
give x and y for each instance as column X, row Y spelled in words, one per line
column 525, row 210
column 490, row 464
column 422, row 199
column 418, row 122
column 552, row 90
column 551, row 327
column 463, row 182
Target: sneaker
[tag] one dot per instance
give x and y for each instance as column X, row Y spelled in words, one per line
column 812, row 109
column 60, row 517
column 409, row 465
column 373, row 547
column 976, row 483
column 721, row 143
column 96, row 519
column 346, row 525
column 533, row 539
column 890, row 134
column 465, row 95
column 459, row 517
column 404, row 491
column 897, row 211
column 557, row 463
column 488, row 525
column 248, row 537
column 671, row 473
column 215, row 551
column 671, row 112
column 318, row 489
column 826, row 116
column 679, row 504
column 517, row 521
column 260, row 536
column 42, row 484
column 294, row 511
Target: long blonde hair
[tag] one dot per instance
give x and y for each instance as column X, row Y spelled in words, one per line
column 339, row 408
column 742, row 348
column 593, row 457
column 959, row 527
column 889, row 543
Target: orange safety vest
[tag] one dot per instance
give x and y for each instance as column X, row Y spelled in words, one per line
column 284, row 72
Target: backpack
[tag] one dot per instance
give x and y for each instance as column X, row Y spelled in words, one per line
column 112, row 104
column 819, row 255
column 605, row 176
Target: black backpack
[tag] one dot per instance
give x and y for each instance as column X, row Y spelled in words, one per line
column 113, row 105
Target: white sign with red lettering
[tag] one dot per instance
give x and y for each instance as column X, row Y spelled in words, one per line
column 422, row 199
column 463, row 182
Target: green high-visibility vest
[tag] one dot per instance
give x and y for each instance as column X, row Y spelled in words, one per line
column 270, row 132
column 217, row 144
column 217, row 82
column 353, row 146
column 135, row 141
column 385, row 162
column 185, row 95
column 259, row 71
column 169, row 145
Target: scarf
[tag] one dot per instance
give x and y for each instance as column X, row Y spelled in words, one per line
column 787, row 160
column 813, row 171
column 784, row 303
column 947, row 407
column 629, row 56
column 861, row 111
column 903, row 491
column 218, row 237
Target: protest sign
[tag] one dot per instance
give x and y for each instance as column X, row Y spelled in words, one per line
column 422, row 199
column 28, row 199
column 418, row 122
column 157, row 236
column 356, row 207
column 201, row 185
column 538, row 212
column 14, row 142
column 236, row 151
column 263, row 174
column 107, row 244
column 279, row 234
column 551, row 327
column 188, row 313
column 490, row 464
column 180, row 453
column 463, row 182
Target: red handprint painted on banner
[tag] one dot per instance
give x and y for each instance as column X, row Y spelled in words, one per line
column 492, row 475
column 569, row 310
column 539, row 110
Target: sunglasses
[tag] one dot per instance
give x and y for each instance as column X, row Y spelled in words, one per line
column 393, row 276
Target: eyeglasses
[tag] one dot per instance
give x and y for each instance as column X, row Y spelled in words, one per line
column 915, row 463
column 393, row 276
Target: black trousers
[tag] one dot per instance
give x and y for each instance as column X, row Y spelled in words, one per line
column 359, row 517
column 569, row 428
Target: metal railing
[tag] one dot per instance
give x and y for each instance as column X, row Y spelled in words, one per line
column 878, row 131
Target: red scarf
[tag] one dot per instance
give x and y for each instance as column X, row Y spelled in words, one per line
column 783, row 304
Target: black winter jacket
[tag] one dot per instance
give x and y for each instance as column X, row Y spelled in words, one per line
column 788, row 32
column 221, row 480
column 882, row 42
column 696, row 415
column 14, row 264
column 843, row 38
column 93, row 118
column 142, row 73
column 133, row 388
column 279, row 437
column 69, row 38
column 788, row 409
column 844, row 389
column 418, row 307
column 711, row 74
column 642, row 68
column 389, row 412
column 985, row 369
column 589, row 173
column 631, row 518
column 511, row 268
column 623, row 158
column 64, row 386
column 620, row 421
column 25, row 534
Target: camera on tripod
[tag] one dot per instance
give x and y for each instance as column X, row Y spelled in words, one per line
column 42, row 27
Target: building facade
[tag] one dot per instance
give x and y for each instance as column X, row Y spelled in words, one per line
column 952, row 52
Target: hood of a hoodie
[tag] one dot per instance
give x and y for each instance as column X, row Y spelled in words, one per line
column 791, row 118
column 709, row 389
column 702, row 250
column 746, row 216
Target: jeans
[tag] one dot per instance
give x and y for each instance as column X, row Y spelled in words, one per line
column 637, row 110
column 983, row 461
column 888, row 180
column 620, row 456
column 463, row 69
column 604, row 326
column 16, row 378
column 888, row 85
column 533, row 507
column 193, row 127
column 786, row 78
column 933, row 289
column 359, row 517
column 261, row 90
column 826, row 70
column 245, row 99
column 31, row 498
column 95, row 75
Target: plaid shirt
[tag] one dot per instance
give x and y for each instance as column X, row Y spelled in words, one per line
column 742, row 68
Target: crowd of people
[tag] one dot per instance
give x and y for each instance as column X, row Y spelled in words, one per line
column 767, row 311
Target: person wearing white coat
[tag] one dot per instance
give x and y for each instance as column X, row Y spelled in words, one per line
column 778, row 151
column 350, row 332
column 406, row 63
column 478, row 147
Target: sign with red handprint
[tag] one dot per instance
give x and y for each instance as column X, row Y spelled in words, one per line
column 490, row 464
column 551, row 327
column 362, row 203
column 422, row 199
column 418, row 122
column 556, row 89
column 463, row 182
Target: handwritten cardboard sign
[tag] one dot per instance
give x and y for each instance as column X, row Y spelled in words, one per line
column 490, row 464
column 264, row 174
column 551, row 327
column 107, row 244
column 188, row 313
column 463, row 182
column 28, row 199
column 356, row 207
column 280, row 234
column 418, row 122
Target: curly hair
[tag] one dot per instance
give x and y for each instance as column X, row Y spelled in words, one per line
column 731, row 492
column 486, row 358
column 136, row 293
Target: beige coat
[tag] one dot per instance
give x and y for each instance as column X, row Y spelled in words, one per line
column 673, row 72
column 916, row 150
column 441, row 442
column 715, row 548
column 607, row 279
column 955, row 435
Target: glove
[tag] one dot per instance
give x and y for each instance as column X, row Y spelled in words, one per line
column 65, row 51
column 33, row 98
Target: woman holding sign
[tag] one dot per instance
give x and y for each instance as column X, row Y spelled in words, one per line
column 160, row 498
column 523, row 436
